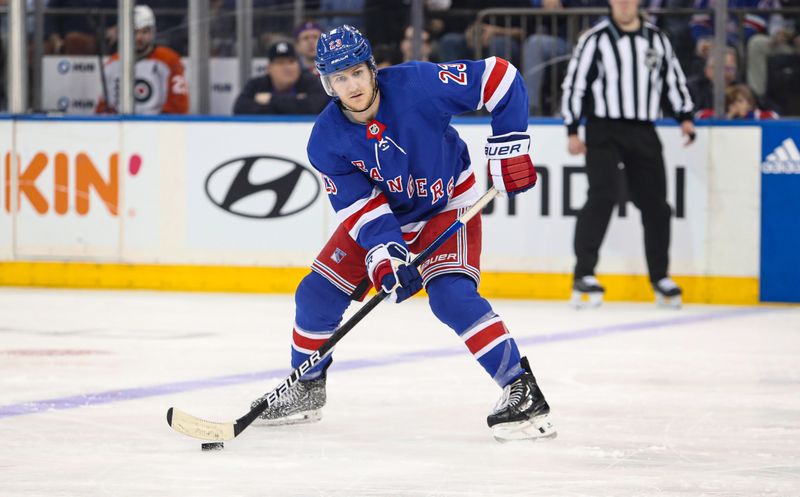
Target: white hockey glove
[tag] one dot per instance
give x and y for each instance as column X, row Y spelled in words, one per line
column 389, row 270
column 510, row 166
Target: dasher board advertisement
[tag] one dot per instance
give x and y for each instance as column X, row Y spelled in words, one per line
column 72, row 189
column 69, row 188
column 780, row 213
column 252, row 195
column 533, row 232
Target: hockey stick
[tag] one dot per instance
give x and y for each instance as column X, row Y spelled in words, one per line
column 210, row 430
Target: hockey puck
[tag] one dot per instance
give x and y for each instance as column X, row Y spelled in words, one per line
column 213, row 446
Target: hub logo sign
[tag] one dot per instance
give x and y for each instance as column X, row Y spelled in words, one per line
column 780, row 205
column 262, row 187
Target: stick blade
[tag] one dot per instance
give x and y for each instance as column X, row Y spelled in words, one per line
column 199, row 428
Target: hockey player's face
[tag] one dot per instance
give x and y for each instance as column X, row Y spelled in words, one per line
column 143, row 38
column 354, row 86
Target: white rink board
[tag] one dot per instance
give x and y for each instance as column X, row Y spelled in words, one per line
column 170, row 210
column 44, row 232
column 537, row 239
column 6, row 220
column 212, row 166
column 148, row 159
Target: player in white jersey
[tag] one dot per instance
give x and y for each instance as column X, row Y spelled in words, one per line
column 160, row 85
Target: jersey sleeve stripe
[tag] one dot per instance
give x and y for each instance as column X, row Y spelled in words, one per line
column 498, row 82
column 464, row 184
column 362, row 211
column 367, row 217
column 345, row 213
column 487, row 71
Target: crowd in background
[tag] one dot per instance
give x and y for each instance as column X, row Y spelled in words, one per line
column 762, row 61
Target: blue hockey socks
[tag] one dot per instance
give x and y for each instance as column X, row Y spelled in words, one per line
column 454, row 299
column 318, row 312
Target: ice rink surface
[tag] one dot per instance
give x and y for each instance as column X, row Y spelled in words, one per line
column 704, row 401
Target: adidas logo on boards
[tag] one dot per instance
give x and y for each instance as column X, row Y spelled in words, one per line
column 785, row 159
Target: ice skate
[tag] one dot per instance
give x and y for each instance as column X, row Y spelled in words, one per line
column 668, row 293
column 522, row 412
column 586, row 293
column 300, row 404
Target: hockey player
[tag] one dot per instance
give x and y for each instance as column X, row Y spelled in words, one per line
column 397, row 174
column 160, row 86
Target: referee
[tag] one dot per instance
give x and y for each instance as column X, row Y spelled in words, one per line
column 618, row 74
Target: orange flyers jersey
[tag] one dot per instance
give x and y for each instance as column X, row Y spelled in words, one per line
column 160, row 86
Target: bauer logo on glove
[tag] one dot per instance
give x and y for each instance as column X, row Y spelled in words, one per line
column 510, row 166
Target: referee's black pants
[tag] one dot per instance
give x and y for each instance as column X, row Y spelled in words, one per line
column 637, row 147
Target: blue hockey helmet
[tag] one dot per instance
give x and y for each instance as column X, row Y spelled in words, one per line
column 340, row 49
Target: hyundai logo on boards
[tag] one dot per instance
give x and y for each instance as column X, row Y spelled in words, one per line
column 262, row 186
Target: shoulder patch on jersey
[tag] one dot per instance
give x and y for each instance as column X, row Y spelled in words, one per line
column 330, row 186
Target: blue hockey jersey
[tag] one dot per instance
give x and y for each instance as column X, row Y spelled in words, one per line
column 385, row 178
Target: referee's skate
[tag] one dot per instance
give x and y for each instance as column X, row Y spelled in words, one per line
column 668, row 293
column 587, row 292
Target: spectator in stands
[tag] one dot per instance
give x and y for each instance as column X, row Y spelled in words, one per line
column 458, row 40
column 343, row 6
column 782, row 39
column 271, row 19
column 160, row 83
column 677, row 27
column 305, row 42
column 173, row 30
column 77, row 34
column 285, row 89
column 740, row 103
column 385, row 21
column 406, row 45
column 172, row 27
column 701, row 86
column 702, row 26
column 386, row 55
column 547, row 45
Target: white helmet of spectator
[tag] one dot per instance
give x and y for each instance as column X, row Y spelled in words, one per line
column 143, row 17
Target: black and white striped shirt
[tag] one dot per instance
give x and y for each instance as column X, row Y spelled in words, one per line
column 615, row 74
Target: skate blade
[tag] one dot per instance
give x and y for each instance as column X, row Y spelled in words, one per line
column 532, row 429
column 581, row 300
column 293, row 419
column 668, row 302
